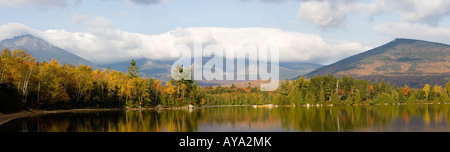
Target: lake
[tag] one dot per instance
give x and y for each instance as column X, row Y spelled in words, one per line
column 384, row 118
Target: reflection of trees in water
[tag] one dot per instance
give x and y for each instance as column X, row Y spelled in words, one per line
column 156, row 121
column 349, row 118
column 114, row 121
column 337, row 118
column 234, row 115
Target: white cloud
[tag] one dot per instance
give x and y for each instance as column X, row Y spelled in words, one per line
column 108, row 44
column 11, row 30
column 415, row 11
column 415, row 31
column 326, row 13
column 429, row 12
column 40, row 3
column 376, row 7
column 333, row 13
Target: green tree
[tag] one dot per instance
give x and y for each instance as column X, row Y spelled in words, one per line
column 444, row 96
column 384, row 98
column 133, row 70
column 334, row 99
column 447, row 87
column 412, row 98
column 358, row 96
column 395, row 96
column 322, row 96
column 310, row 98
column 349, row 99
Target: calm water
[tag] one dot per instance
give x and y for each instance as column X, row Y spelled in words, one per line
column 242, row 118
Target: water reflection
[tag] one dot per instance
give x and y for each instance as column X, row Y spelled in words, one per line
column 243, row 118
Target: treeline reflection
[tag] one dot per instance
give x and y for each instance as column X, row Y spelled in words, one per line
column 426, row 117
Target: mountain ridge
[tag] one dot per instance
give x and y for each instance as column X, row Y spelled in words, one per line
column 42, row 50
column 162, row 69
column 396, row 59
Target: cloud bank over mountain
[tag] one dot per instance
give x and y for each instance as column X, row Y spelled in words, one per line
column 102, row 43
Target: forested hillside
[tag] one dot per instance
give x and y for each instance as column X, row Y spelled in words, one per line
column 402, row 61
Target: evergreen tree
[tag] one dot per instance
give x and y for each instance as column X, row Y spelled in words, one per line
column 310, row 98
column 357, row 96
column 334, row 99
column 299, row 97
column 349, row 99
column 395, row 96
column 133, row 70
column 447, row 87
column 444, row 96
column 412, row 98
column 385, row 98
column 383, row 87
column 322, row 96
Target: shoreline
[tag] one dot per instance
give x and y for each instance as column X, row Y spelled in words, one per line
column 4, row 118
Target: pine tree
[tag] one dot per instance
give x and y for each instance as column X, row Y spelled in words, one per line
column 334, row 99
column 293, row 96
column 310, row 98
column 357, row 96
column 385, row 98
column 395, row 96
column 412, row 98
column 133, row 70
column 322, row 96
column 299, row 97
column 444, row 96
column 447, row 87
column 349, row 99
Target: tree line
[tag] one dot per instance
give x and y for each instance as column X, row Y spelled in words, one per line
column 27, row 83
column 329, row 90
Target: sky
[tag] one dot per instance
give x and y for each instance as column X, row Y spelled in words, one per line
column 315, row 31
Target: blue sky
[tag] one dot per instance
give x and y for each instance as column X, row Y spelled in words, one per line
column 318, row 31
column 159, row 18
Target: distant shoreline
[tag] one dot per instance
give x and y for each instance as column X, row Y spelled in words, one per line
column 4, row 118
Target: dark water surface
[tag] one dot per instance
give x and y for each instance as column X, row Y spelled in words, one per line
column 415, row 118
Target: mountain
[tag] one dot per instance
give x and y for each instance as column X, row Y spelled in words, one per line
column 147, row 68
column 289, row 70
column 42, row 50
column 161, row 70
column 401, row 61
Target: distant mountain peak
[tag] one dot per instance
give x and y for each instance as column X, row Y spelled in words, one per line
column 404, row 39
column 409, row 41
column 401, row 58
column 23, row 36
column 42, row 50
